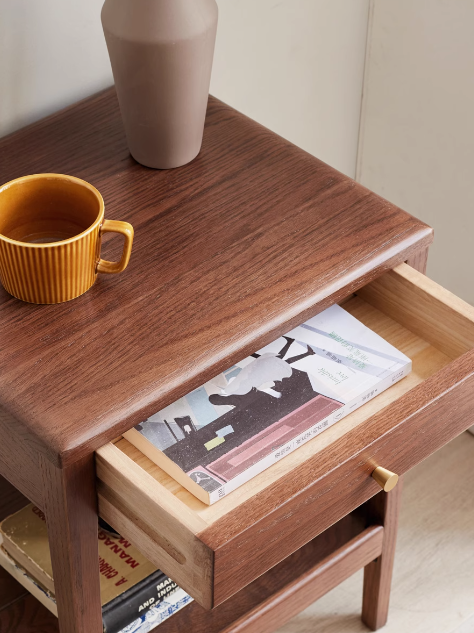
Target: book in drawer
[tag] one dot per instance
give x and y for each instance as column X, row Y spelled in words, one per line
column 213, row 552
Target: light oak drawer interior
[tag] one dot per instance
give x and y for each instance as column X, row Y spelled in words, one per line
column 212, row 552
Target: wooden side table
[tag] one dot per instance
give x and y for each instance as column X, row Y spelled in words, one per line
column 231, row 251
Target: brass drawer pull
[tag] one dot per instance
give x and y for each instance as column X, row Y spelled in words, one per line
column 385, row 478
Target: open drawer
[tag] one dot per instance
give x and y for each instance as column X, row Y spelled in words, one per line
column 214, row 551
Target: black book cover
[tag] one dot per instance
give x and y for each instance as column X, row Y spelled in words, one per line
column 130, row 605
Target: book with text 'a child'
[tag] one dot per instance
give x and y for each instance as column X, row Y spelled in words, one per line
column 145, row 622
column 130, row 585
column 236, row 425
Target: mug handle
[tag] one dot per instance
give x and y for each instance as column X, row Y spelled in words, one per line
column 126, row 229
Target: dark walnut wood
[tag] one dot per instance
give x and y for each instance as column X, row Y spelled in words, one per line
column 28, row 616
column 71, row 513
column 274, row 598
column 232, row 250
column 19, row 461
column 419, row 261
column 10, row 499
column 10, row 591
column 384, row 508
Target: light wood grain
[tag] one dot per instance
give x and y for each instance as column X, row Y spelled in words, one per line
column 384, row 432
column 159, row 518
column 425, row 308
column 426, row 361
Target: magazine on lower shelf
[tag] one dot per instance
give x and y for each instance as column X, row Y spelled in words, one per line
column 241, row 422
column 130, row 585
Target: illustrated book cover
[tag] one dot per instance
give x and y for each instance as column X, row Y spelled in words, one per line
column 130, row 585
column 146, row 620
column 236, row 425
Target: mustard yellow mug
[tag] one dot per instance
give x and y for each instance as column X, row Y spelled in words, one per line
column 50, row 236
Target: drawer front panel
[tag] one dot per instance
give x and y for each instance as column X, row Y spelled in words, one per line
column 215, row 552
column 398, row 438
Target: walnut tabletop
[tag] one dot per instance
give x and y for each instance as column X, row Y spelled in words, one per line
column 232, row 250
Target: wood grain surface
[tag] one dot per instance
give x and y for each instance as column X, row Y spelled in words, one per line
column 419, row 261
column 70, row 506
column 10, row 499
column 165, row 529
column 264, row 605
column 425, row 307
column 338, row 480
column 28, row 616
column 275, row 597
column 230, row 251
column 384, row 508
column 10, row 590
column 289, row 504
column 19, row 461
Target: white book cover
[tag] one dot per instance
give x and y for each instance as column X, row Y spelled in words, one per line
column 239, row 423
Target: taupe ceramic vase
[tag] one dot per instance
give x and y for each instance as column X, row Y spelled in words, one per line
column 161, row 53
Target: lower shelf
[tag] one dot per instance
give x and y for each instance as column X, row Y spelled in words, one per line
column 261, row 607
column 287, row 589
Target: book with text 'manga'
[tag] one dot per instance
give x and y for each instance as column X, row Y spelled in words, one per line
column 129, row 584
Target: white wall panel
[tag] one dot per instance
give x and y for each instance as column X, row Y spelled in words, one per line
column 417, row 134
column 294, row 65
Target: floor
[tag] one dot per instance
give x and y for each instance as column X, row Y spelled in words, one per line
column 433, row 588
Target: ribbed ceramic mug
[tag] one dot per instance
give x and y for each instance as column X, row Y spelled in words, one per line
column 50, row 236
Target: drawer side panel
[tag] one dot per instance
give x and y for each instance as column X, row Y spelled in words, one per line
column 157, row 523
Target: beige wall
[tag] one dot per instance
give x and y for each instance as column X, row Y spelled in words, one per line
column 417, row 134
column 52, row 53
column 294, row 65
column 297, row 67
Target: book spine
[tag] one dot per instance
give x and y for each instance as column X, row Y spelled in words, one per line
column 309, row 434
column 147, row 619
column 158, row 614
column 131, row 605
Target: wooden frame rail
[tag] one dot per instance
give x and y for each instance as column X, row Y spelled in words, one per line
column 304, row 577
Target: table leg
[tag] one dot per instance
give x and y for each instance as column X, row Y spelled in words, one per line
column 384, row 508
column 419, row 261
column 70, row 505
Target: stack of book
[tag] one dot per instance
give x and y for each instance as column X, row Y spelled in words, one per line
column 227, row 431
column 136, row 596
